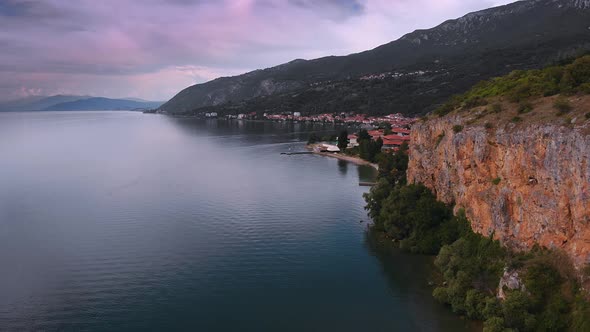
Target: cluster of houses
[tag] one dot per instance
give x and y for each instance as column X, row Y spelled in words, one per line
column 392, row 141
column 394, row 120
column 241, row 116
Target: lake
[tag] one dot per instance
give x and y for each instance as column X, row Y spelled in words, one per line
column 121, row 221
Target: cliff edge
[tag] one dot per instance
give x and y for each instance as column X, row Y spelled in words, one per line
column 520, row 171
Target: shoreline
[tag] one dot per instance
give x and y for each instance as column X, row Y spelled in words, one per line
column 350, row 159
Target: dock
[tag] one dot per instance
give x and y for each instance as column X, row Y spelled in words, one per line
column 367, row 184
column 296, row 153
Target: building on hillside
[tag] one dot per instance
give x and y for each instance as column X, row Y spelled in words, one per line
column 392, row 143
column 353, row 141
column 397, row 137
column 376, row 134
column 400, row 131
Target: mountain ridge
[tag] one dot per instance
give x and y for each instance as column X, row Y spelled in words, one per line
column 477, row 46
column 74, row 102
column 102, row 103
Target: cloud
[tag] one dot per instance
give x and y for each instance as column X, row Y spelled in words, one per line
column 153, row 48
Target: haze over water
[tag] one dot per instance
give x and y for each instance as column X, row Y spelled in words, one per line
column 123, row 221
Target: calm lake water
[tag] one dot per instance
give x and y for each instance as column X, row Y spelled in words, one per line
column 120, row 221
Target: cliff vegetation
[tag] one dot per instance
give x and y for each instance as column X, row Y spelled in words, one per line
column 497, row 188
column 548, row 296
column 520, row 86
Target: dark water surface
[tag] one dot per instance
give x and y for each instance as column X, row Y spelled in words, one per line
column 118, row 221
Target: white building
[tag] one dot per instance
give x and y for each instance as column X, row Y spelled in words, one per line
column 329, row 148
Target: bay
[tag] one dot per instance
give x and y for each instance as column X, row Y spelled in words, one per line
column 120, row 221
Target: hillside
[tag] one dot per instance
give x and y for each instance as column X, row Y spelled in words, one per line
column 520, row 150
column 411, row 75
column 36, row 103
column 99, row 103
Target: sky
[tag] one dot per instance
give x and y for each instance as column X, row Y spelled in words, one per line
column 152, row 49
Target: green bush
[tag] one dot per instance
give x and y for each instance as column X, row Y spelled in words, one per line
column 585, row 88
column 516, row 119
column 496, row 181
column 525, row 107
column 521, row 85
column 587, row 115
column 493, row 308
column 471, row 266
column 494, row 324
column 580, row 314
column 496, row 108
column 562, row 105
column 516, row 311
column 457, row 128
column 488, row 125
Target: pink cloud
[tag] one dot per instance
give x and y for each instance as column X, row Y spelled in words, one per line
column 154, row 48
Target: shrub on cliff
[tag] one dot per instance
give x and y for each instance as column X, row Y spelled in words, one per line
column 471, row 267
column 562, row 105
column 521, row 85
column 412, row 215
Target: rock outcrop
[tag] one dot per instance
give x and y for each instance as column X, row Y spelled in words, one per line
column 510, row 281
column 526, row 183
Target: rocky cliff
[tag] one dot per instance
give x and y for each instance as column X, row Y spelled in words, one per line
column 525, row 179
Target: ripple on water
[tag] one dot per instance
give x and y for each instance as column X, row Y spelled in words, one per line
column 119, row 222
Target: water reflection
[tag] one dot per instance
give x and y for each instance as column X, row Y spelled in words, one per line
column 342, row 167
column 408, row 276
column 367, row 173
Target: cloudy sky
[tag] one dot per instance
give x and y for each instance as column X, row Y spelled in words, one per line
column 151, row 49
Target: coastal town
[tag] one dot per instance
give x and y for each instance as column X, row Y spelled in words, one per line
column 392, row 140
column 392, row 130
column 393, row 120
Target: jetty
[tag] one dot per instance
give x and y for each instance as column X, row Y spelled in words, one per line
column 296, row 153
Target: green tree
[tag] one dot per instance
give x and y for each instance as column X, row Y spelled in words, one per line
column 343, row 140
column 393, row 166
column 364, row 135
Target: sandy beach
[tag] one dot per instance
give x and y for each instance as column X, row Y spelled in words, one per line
column 351, row 159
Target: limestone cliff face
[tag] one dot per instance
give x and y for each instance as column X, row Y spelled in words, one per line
column 526, row 183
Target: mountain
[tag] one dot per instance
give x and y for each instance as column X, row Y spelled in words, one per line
column 412, row 75
column 75, row 103
column 100, row 103
column 36, row 103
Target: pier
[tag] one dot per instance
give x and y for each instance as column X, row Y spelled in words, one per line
column 296, row 153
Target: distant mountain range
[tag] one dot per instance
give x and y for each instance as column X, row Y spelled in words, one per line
column 412, row 75
column 76, row 103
